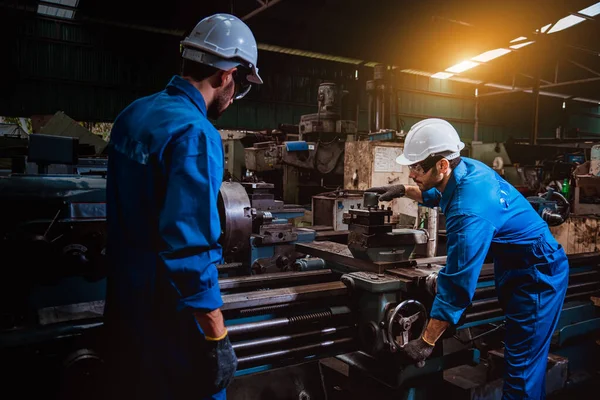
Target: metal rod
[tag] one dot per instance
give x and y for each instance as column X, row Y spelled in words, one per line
column 568, row 83
column 476, row 126
column 268, row 3
column 536, row 111
column 271, row 279
column 283, row 339
column 260, row 326
column 485, row 314
column 584, row 67
column 283, row 295
column 319, row 348
column 228, row 266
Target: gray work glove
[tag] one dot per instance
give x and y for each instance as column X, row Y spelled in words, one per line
column 388, row 192
column 418, row 351
column 222, row 363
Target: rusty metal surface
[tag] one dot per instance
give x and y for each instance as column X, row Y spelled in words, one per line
column 284, row 295
column 415, row 272
column 271, row 279
column 340, row 254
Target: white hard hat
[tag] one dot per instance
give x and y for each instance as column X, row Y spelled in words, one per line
column 432, row 136
column 223, row 41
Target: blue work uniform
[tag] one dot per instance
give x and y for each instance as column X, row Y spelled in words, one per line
column 485, row 213
column 165, row 168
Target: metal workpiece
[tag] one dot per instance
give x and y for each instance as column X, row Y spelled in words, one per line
column 283, row 295
column 274, row 279
column 293, row 320
column 236, row 218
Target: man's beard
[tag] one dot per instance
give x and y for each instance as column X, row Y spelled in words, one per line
column 221, row 101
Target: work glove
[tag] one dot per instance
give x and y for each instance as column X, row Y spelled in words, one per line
column 222, row 362
column 388, row 192
column 418, row 350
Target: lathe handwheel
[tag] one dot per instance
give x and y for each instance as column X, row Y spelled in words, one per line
column 407, row 321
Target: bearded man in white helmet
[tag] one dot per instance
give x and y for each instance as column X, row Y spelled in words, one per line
column 166, row 164
column 485, row 214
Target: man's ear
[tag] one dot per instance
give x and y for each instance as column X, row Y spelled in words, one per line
column 226, row 76
column 444, row 165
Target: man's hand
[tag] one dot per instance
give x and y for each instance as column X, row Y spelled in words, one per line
column 388, row 192
column 418, row 350
column 221, row 361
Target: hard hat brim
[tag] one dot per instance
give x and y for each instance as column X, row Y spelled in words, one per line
column 255, row 77
column 402, row 160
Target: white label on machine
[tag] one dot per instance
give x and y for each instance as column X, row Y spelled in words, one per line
column 385, row 159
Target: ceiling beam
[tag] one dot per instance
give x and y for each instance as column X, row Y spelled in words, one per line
column 266, row 4
column 584, row 67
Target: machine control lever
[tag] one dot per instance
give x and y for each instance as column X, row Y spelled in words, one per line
column 405, row 322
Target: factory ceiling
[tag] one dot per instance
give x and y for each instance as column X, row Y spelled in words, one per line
column 422, row 36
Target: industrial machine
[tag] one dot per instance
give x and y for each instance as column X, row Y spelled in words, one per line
column 313, row 161
column 305, row 316
column 257, row 233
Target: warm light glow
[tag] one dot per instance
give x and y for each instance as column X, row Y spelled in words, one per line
column 490, row 55
column 415, row 72
column 566, row 22
column 476, row 92
column 545, row 28
column 518, row 39
column 463, row 66
column 564, row 105
column 591, row 11
column 518, row 46
column 442, row 75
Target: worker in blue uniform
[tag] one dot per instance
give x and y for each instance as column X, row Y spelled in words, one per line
column 166, row 164
column 485, row 214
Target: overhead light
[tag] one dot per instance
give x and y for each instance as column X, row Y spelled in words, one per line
column 518, row 46
column 442, row 75
column 591, row 11
column 490, row 55
column 518, row 39
column 566, row 22
column 545, row 28
column 462, row 66
column 564, row 105
column 63, row 9
column 476, row 92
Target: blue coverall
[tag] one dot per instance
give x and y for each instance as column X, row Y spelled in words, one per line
column 165, row 168
column 485, row 213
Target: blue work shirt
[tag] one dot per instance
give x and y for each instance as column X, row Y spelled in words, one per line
column 165, row 170
column 483, row 210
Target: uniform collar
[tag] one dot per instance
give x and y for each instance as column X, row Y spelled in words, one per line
column 457, row 175
column 180, row 84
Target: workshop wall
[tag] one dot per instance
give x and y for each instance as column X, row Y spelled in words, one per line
column 92, row 71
